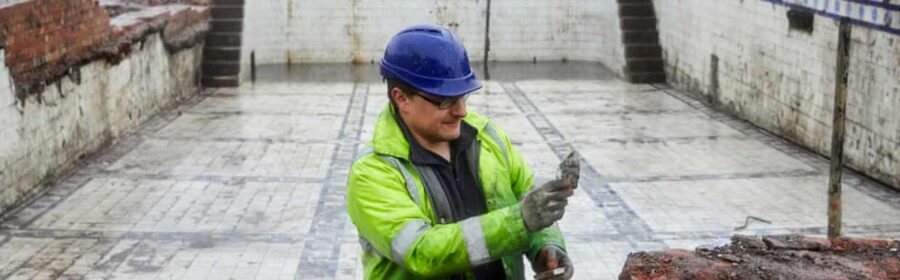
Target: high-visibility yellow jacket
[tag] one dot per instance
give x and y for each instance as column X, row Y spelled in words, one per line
column 400, row 214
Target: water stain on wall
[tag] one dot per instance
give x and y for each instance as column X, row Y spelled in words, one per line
column 713, row 92
column 290, row 17
column 353, row 31
column 445, row 17
column 290, row 10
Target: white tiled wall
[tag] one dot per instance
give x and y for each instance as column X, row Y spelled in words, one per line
column 783, row 80
column 43, row 136
column 291, row 31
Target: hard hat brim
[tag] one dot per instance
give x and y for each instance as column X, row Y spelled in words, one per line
column 435, row 86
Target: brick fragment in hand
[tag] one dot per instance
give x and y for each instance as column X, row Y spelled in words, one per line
column 569, row 170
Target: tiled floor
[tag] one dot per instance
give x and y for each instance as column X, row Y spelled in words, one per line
column 248, row 183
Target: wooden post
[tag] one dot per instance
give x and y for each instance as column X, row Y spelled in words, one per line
column 837, row 135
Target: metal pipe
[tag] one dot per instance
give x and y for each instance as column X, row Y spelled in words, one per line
column 253, row 66
column 487, row 40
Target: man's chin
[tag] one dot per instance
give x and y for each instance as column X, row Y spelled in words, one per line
column 449, row 132
column 450, row 136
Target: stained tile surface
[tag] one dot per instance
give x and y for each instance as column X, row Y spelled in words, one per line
column 249, row 183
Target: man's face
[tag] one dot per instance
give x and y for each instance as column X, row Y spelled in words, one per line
column 424, row 116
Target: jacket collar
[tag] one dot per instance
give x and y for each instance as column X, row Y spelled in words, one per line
column 389, row 139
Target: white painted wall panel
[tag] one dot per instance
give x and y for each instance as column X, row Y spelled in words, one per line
column 42, row 137
column 783, row 80
column 341, row 31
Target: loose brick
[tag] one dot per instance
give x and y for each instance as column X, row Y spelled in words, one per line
column 783, row 257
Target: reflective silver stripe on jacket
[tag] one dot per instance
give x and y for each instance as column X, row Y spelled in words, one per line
column 475, row 243
column 405, row 238
column 366, row 246
column 439, row 200
column 410, row 180
column 496, row 137
column 364, row 152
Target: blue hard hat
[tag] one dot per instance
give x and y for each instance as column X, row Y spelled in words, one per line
column 429, row 58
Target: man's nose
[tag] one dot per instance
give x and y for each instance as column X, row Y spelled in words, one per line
column 459, row 108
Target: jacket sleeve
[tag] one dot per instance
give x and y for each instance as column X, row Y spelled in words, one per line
column 522, row 180
column 387, row 217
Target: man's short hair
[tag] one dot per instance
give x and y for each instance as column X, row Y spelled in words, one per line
column 392, row 83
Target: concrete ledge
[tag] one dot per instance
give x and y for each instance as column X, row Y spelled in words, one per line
column 181, row 25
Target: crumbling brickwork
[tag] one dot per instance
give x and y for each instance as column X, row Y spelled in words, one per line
column 72, row 80
column 772, row 257
column 42, row 36
column 48, row 39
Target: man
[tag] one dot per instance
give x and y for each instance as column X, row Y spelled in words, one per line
column 444, row 194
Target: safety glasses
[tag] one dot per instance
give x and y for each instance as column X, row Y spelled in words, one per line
column 443, row 103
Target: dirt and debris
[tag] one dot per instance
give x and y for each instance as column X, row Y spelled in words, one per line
column 772, row 257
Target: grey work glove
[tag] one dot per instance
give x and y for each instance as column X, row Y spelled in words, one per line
column 544, row 205
column 553, row 263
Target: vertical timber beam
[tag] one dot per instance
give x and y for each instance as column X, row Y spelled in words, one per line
column 835, row 208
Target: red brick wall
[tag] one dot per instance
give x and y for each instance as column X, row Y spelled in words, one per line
column 44, row 36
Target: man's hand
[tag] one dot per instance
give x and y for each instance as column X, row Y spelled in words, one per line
column 544, row 205
column 553, row 263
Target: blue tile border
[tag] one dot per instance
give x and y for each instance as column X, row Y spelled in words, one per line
column 618, row 212
column 876, row 15
column 321, row 248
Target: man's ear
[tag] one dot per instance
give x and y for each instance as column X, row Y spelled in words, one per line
column 400, row 99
